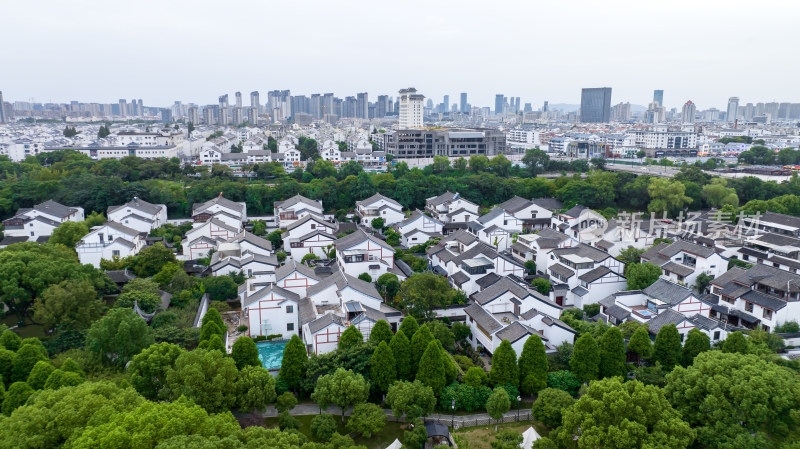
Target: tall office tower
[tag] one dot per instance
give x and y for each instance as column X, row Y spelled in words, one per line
column 528, row 108
column 141, row 108
column 446, row 103
column 194, row 115
column 772, row 110
column 362, row 105
column 349, row 107
column 382, row 106
column 255, row 101
column 336, row 110
column 2, row 109
column 658, row 97
column 499, row 103
column 123, row 107
column 327, row 105
column 595, row 105
column 783, row 110
column 759, row 108
column 464, row 107
column 133, row 109
column 545, row 106
column 252, row 115
column 733, row 109
column 516, row 105
column 749, row 112
column 300, row 105
column 688, row 112
column 238, row 96
column 208, row 114
column 223, row 101
column 429, row 104
column 279, row 104
column 410, row 108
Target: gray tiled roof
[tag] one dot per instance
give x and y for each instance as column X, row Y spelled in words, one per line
column 482, row 318
column 562, row 271
column 679, row 269
column 459, row 278
column 667, row 316
column 261, row 293
column 222, row 201
column 378, row 197
column 785, row 220
column 499, row 288
column 140, row 205
column 357, row 237
column 584, row 250
column 306, row 311
column 684, row 246
column 593, row 275
column 297, row 199
column 324, row 321
column 667, row 291
column 290, row 266
column 443, row 198
column 494, row 213
column 50, row 207
column 515, row 204
column 548, row 203
column 617, row 312
column 310, row 217
column 513, row 332
column 575, row 212
column 764, row 300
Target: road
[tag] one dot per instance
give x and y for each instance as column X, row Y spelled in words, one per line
column 651, row 170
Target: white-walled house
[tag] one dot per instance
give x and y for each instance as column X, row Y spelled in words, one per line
column 221, row 208
column 451, row 208
column 38, row 222
column 272, row 311
column 108, row 241
column 322, row 334
column 360, row 252
column 295, row 208
column 205, row 236
column 683, row 261
column 309, row 235
column 379, row 206
column 139, row 214
column 295, row 277
column 418, row 229
column 583, row 275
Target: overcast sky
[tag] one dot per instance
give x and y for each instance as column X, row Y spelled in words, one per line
column 194, row 51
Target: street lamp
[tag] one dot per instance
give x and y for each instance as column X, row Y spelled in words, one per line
column 519, row 400
column 453, row 418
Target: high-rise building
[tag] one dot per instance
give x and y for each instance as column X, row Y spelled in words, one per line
column 464, row 107
column 238, row 96
column 279, row 104
column 688, row 113
column 733, row 109
column 446, row 104
column 749, row 112
column 362, row 105
column 410, row 108
column 208, row 114
column 224, row 118
column 194, row 115
column 238, row 119
column 595, row 105
column 123, row 107
column 2, row 109
column 349, row 107
column 545, row 106
column 499, row 104
column 223, row 101
column 252, row 115
column 621, row 112
column 255, row 101
column 382, row 106
column 658, row 97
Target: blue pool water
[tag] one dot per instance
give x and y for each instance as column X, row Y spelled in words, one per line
column 271, row 353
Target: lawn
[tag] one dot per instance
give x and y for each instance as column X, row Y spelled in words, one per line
column 380, row 441
column 481, row 437
column 29, row 330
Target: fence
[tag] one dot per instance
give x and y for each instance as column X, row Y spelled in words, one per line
column 201, row 310
column 457, row 422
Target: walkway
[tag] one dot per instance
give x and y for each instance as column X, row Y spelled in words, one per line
column 457, row 421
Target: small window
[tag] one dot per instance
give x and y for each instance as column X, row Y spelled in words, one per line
column 115, row 253
column 716, row 335
column 289, row 309
column 289, row 326
column 313, row 226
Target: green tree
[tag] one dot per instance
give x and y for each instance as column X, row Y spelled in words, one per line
column 541, row 285
column 323, row 426
column 293, row 364
column 736, row 400
column 735, row 342
column 69, row 233
column 401, row 351
column 612, row 410
column 532, row 366
column 255, row 387
column 476, row 377
column 630, row 256
column 388, row 285
column 612, row 353
column 536, row 161
column 286, row 401
column 504, row 365
column 498, row 404
column 667, row 348
column 412, row 399
column 585, row 361
column 507, row 439
column 151, row 259
column 16, row 396
column 550, row 405
column 351, row 337
column 118, row 336
column 642, row 275
column 343, row 388
column 367, row 420
column 72, row 305
column 640, row 344
column 667, row 195
column 409, row 327
column 381, row 332
column 39, row 374
column 25, row 359
column 419, row 344
column 702, row 282
column 206, row 377
column 416, row 437
column 221, row 288
column 6, row 365
column 147, row 301
column 10, row 340
column 696, row 343
column 431, row 367
column 148, row 369
column 383, row 367
column 717, row 195
column 245, row 352
column 421, row 293
column 60, row 378
column 214, row 343
column 365, row 277
column 377, row 223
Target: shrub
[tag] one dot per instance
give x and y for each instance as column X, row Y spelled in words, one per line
column 287, row 421
column 221, row 306
column 564, row 380
column 549, row 406
column 286, row 402
column 242, row 328
column 323, row 427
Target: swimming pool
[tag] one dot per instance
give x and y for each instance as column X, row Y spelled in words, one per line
column 271, row 353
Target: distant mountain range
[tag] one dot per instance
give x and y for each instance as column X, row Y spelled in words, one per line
column 566, row 107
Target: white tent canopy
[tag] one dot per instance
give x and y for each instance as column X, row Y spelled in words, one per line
column 528, row 437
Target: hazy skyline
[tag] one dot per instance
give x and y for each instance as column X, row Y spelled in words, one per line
column 194, row 51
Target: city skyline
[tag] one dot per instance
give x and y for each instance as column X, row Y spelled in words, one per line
column 166, row 59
